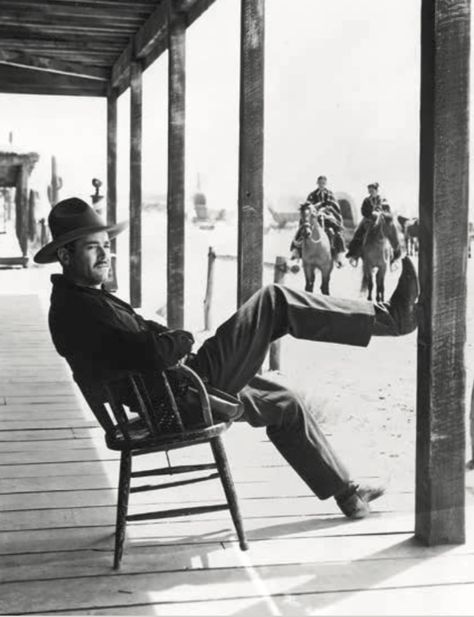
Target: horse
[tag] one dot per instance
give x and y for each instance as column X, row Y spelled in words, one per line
column 376, row 255
column 410, row 228
column 315, row 248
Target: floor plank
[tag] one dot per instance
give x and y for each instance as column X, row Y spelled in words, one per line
column 57, row 514
column 125, row 589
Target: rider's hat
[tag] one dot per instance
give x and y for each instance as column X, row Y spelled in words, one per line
column 373, row 185
column 70, row 220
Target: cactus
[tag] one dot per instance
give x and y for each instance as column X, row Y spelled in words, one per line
column 56, row 183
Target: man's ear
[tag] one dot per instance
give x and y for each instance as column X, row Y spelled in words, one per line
column 64, row 256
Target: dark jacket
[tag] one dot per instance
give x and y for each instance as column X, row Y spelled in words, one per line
column 99, row 334
column 325, row 200
column 374, row 204
column 322, row 196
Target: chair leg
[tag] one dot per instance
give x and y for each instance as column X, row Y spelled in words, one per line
column 222, row 463
column 122, row 505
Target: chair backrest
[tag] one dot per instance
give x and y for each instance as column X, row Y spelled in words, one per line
column 158, row 408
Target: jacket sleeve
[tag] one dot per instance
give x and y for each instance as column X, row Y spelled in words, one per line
column 90, row 335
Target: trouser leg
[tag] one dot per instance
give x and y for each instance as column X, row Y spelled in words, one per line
column 295, row 246
column 295, row 433
column 393, row 236
column 355, row 245
column 339, row 242
column 231, row 357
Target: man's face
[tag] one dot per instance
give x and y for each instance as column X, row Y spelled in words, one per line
column 87, row 261
column 322, row 183
column 373, row 191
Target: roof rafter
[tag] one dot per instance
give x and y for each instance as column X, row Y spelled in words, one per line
column 151, row 39
column 24, row 80
column 50, row 65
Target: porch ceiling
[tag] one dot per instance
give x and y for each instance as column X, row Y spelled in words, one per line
column 81, row 47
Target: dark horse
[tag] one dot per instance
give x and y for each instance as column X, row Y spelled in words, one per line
column 315, row 248
column 376, row 256
column 410, row 228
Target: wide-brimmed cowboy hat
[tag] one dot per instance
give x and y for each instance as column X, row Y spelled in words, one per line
column 70, row 220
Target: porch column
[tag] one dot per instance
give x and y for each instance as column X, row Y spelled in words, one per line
column 176, row 179
column 250, row 195
column 443, row 208
column 112, row 180
column 135, row 184
column 21, row 210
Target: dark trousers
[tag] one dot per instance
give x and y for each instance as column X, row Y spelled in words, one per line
column 231, row 358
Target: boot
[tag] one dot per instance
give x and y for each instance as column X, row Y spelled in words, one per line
column 398, row 316
column 354, row 500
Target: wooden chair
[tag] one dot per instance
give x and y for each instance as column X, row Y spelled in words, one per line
column 159, row 428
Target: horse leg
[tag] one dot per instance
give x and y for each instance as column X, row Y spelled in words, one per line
column 325, row 284
column 309, row 277
column 325, row 278
column 380, row 282
column 370, row 285
column 367, row 282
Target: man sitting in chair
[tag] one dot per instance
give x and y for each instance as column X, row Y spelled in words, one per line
column 98, row 333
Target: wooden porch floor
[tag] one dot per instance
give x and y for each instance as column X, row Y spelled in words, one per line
column 57, row 504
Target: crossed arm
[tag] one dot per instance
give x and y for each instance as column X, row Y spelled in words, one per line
column 94, row 336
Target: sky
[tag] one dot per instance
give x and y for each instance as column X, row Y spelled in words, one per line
column 341, row 99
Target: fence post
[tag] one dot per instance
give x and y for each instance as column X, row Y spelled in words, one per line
column 281, row 268
column 211, row 260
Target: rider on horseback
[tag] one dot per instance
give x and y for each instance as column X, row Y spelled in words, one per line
column 370, row 206
column 324, row 201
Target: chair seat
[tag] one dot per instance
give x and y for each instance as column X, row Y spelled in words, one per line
column 141, row 437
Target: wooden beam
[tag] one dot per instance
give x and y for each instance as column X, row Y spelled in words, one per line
column 151, row 39
column 120, row 78
column 22, row 80
column 21, row 209
column 250, row 196
column 75, row 5
column 112, row 181
column 176, row 149
column 51, row 90
column 444, row 172
column 49, row 65
column 70, row 43
column 152, row 31
column 69, row 20
column 136, row 185
column 111, row 157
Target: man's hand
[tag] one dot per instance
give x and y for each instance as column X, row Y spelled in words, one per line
column 173, row 346
column 185, row 340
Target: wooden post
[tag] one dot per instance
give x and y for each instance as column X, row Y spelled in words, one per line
column 281, row 268
column 250, row 198
column 440, row 492
column 135, row 184
column 211, row 261
column 21, row 211
column 176, row 132
column 56, row 183
column 111, row 283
